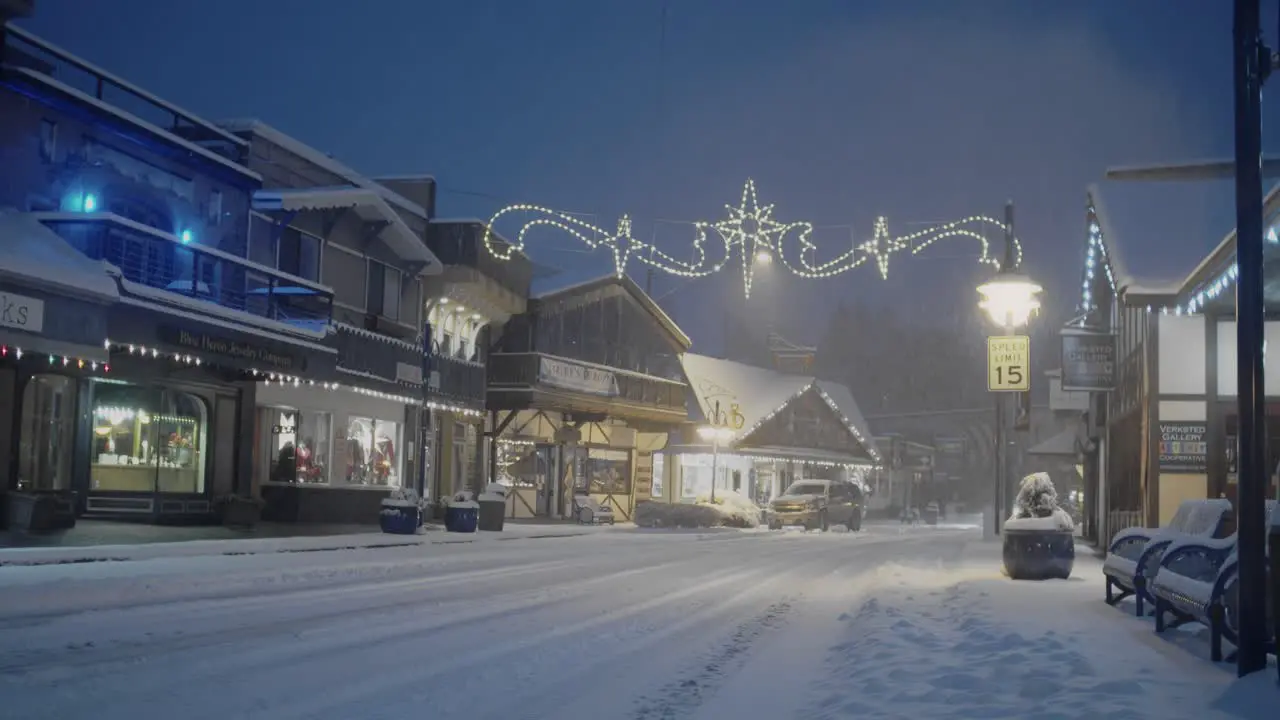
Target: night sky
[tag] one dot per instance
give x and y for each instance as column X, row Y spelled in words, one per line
column 840, row 110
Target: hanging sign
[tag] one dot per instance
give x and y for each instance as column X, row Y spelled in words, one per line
column 1088, row 360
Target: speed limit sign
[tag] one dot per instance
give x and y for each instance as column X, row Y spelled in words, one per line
column 1009, row 363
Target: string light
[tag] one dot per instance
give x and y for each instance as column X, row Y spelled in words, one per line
column 66, row 361
column 1097, row 257
column 749, row 232
column 268, row 377
column 866, row 444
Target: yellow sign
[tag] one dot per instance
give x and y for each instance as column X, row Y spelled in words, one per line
column 733, row 419
column 1009, row 363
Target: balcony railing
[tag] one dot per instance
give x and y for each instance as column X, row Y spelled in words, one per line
column 462, row 243
column 460, row 380
column 161, row 261
column 522, row 369
column 27, row 50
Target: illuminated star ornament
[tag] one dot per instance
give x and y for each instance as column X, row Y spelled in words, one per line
column 750, row 234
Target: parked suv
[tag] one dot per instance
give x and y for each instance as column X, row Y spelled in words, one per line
column 818, row 504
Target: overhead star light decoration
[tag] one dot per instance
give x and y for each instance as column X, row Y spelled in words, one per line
column 751, row 234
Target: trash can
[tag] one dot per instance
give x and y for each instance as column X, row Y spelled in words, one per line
column 931, row 514
column 461, row 517
column 492, row 514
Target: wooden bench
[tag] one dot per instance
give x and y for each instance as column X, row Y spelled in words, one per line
column 1134, row 553
column 589, row 511
column 1195, row 581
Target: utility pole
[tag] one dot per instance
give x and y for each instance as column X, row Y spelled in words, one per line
column 1252, row 64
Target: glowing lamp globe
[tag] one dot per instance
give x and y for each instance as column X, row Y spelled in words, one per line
column 1010, row 299
column 764, row 257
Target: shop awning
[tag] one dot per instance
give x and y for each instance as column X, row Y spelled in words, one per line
column 366, row 203
column 1063, row 444
column 35, row 255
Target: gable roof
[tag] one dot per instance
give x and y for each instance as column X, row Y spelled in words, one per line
column 626, row 283
column 757, row 394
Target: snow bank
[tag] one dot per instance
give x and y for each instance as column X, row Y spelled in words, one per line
column 961, row 642
column 730, row 509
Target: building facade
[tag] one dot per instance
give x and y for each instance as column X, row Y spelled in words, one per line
column 584, row 389
column 1165, row 431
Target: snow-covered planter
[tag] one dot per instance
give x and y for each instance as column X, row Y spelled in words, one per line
column 463, row 513
column 729, row 510
column 1039, row 538
column 402, row 512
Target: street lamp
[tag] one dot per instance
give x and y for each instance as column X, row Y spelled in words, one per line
column 715, row 435
column 1010, row 301
column 764, row 257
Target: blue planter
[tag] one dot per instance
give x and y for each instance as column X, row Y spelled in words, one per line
column 461, row 520
column 400, row 520
column 1038, row 554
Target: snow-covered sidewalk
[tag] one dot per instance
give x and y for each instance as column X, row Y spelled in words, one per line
column 302, row 544
column 966, row 642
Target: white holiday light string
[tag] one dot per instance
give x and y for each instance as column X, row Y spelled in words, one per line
column 751, row 233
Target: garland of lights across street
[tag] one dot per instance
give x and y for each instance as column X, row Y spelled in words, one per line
column 751, row 234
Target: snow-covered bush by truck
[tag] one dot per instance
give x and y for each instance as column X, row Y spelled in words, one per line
column 1036, row 506
column 730, row 509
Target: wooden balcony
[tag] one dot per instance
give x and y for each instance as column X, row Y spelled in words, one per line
column 522, row 380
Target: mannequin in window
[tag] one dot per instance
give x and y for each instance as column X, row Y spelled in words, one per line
column 384, row 458
column 285, row 470
column 355, row 460
column 307, row 471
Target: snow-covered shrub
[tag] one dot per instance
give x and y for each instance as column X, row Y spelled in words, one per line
column 729, row 510
column 737, row 509
column 464, row 499
column 1036, row 506
column 402, row 498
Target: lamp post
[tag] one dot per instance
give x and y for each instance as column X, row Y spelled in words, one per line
column 1009, row 300
column 716, row 434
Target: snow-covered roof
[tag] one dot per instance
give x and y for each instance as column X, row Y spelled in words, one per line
column 398, row 236
column 750, row 395
column 841, row 400
column 1110, row 238
column 31, row 252
column 319, row 159
column 626, row 283
column 740, row 389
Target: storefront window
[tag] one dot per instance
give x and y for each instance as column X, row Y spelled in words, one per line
column 659, row 465
column 148, row 440
column 609, row 471
column 372, row 452
column 47, row 433
column 294, row 445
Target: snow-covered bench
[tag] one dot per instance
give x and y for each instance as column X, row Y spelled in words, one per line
column 589, row 511
column 1134, row 553
column 1196, row 582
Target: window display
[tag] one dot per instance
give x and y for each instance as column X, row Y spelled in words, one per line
column 47, row 433
column 297, row 445
column 609, row 471
column 372, row 452
column 659, row 468
column 147, row 440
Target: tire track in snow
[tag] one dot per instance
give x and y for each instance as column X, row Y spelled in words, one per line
column 680, row 698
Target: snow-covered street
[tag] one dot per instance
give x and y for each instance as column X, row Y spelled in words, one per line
column 622, row 624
